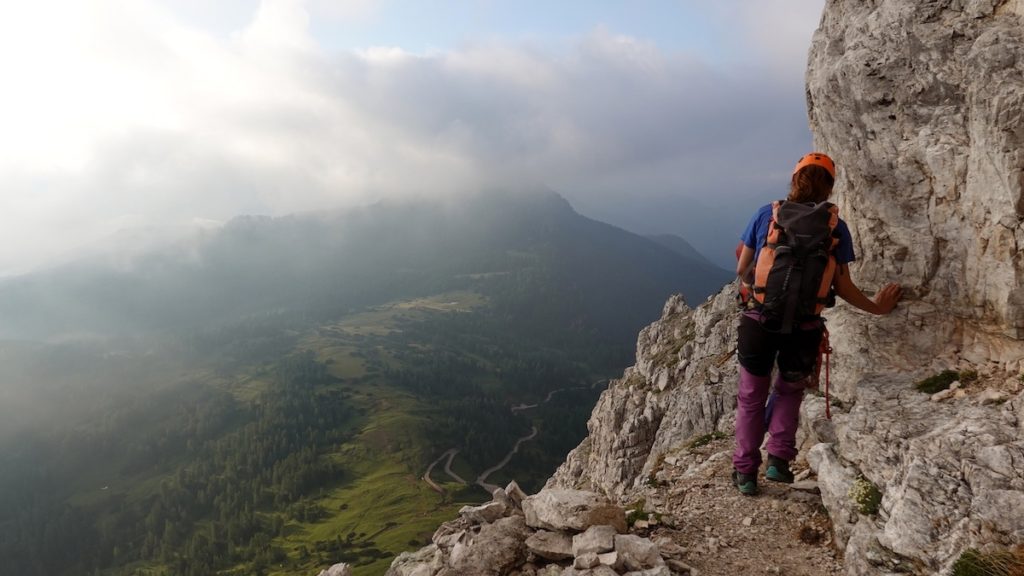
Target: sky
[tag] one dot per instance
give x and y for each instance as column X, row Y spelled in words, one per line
column 660, row 116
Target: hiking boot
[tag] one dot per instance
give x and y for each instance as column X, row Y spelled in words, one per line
column 745, row 483
column 778, row 470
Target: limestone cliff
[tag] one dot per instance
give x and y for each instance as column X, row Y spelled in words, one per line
column 921, row 105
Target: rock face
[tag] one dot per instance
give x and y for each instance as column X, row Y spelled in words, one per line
column 922, row 107
column 682, row 385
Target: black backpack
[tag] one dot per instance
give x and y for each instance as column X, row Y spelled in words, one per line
column 794, row 271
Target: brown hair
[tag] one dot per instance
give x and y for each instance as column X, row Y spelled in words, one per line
column 811, row 184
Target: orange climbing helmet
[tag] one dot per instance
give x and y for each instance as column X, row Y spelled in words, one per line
column 816, row 159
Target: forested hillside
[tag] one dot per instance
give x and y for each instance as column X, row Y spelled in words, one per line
column 270, row 402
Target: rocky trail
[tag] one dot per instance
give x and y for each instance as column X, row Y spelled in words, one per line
column 686, row 520
column 692, row 502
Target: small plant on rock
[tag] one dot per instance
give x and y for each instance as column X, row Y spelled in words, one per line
column 866, row 496
column 704, row 440
column 938, row 382
column 998, row 563
column 636, row 512
column 968, row 376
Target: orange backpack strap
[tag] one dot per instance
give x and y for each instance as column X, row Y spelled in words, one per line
column 766, row 258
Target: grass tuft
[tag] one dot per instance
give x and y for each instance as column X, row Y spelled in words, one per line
column 997, row 563
column 968, row 376
column 704, row 440
column 944, row 379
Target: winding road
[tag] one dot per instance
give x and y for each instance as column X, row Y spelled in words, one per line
column 449, row 454
column 481, row 480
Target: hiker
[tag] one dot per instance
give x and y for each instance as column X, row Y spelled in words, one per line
column 786, row 279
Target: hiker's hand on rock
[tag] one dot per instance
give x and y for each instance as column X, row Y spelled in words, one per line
column 887, row 297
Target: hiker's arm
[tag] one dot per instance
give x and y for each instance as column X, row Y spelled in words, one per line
column 743, row 264
column 885, row 300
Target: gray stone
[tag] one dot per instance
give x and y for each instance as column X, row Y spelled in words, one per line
column 501, row 497
column 636, row 553
column 485, row 513
column 668, row 548
column 550, row 545
column 450, row 532
column 448, row 540
column 992, row 396
column 806, row 486
column 565, row 509
column 494, row 551
column 608, row 558
column 515, row 493
column 427, row 561
column 680, row 568
column 597, row 539
column 585, row 561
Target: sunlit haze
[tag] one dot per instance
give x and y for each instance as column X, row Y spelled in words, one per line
column 123, row 114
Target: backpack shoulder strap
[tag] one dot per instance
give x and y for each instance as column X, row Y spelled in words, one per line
column 766, row 258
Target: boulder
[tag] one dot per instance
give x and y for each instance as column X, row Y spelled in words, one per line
column 636, row 553
column 494, row 551
column 515, row 493
column 485, row 513
column 427, row 561
column 585, row 561
column 597, row 539
column 608, row 558
column 577, row 510
column 550, row 545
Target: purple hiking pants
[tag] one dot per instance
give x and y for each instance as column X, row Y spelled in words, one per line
column 758, row 351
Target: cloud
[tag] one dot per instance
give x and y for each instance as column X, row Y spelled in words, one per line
column 772, row 33
column 121, row 112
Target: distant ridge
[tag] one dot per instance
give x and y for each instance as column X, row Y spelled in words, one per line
column 318, row 264
column 680, row 246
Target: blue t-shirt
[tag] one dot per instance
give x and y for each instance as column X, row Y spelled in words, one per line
column 756, row 234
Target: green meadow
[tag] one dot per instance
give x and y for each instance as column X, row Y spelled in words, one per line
column 295, row 449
